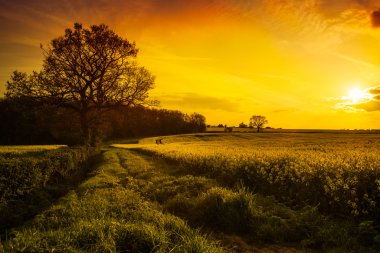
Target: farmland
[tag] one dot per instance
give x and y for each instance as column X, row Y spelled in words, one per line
column 215, row 192
column 28, row 148
column 337, row 173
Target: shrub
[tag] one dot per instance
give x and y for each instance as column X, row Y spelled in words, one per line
column 21, row 174
column 30, row 182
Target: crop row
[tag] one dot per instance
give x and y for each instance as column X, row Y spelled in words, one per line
column 342, row 179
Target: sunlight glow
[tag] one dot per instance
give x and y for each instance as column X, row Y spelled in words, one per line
column 356, row 95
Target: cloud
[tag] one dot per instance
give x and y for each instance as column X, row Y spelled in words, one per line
column 370, row 104
column 373, row 104
column 374, row 90
column 319, row 23
column 375, row 18
column 198, row 101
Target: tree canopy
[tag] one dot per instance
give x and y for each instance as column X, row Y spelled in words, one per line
column 258, row 122
column 86, row 70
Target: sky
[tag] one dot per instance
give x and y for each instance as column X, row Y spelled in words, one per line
column 301, row 63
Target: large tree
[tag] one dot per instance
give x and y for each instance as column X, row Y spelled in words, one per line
column 258, row 122
column 88, row 71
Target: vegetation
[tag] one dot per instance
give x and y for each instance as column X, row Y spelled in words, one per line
column 28, row 148
column 258, row 122
column 306, row 191
column 243, row 190
column 87, row 71
column 242, row 125
column 24, row 123
column 105, row 214
column 29, row 181
column 338, row 175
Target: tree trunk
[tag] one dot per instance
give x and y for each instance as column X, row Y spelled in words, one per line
column 86, row 138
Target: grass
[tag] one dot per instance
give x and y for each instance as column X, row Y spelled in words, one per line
column 31, row 182
column 204, row 203
column 105, row 214
column 325, row 186
column 28, row 148
column 339, row 172
column 218, row 193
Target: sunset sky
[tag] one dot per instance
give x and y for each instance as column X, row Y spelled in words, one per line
column 302, row 64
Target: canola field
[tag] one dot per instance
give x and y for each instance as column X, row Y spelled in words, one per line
column 28, row 148
column 337, row 172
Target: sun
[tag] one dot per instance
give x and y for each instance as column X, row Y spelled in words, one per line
column 356, row 95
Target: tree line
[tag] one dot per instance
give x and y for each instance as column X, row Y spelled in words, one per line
column 90, row 87
column 22, row 122
column 255, row 121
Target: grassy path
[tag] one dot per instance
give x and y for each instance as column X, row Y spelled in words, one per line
column 134, row 202
column 187, row 196
column 138, row 201
column 106, row 214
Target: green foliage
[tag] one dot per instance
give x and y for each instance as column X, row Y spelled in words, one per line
column 340, row 176
column 330, row 185
column 128, row 203
column 105, row 215
column 29, row 182
column 21, row 174
column 204, row 204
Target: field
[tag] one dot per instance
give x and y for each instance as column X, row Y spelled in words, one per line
column 28, row 148
column 336, row 173
column 218, row 192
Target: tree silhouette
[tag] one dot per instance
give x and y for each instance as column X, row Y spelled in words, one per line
column 242, row 125
column 88, row 71
column 197, row 122
column 258, row 121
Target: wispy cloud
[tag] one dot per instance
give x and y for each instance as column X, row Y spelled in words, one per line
column 194, row 101
column 355, row 61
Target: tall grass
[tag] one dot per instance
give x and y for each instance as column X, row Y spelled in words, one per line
column 105, row 215
column 342, row 178
column 30, row 182
column 337, row 174
column 204, row 203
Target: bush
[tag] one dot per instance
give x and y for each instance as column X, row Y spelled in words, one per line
column 30, row 182
column 21, row 174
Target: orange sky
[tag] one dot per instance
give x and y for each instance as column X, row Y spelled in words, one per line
column 294, row 61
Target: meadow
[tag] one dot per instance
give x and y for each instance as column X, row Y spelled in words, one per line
column 338, row 174
column 208, row 192
column 104, row 213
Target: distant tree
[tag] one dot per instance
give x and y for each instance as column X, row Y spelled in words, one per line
column 197, row 122
column 242, row 125
column 258, row 122
column 87, row 71
column 220, row 125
